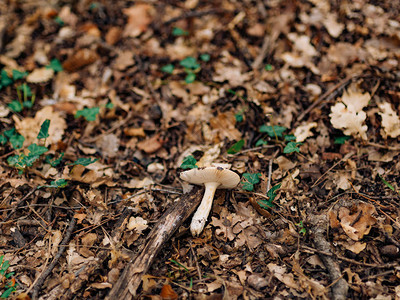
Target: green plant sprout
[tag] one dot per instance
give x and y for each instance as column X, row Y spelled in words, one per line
column 55, row 65
column 22, row 161
column 292, row 147
column 7, row 281
column 189, row 162
column 273, row 131
column 340, row 140
column 205, row 57
column 271, row 196
column 89, row 114
column 84, row 161
column 5, row 80
column 23, row 99
column 249, row 180
column 179, row 32
column 60, row 183
column 235, row 148
column 17, row 75
column 168, row 68
column 302, row 230
column 389, row 185
column 191, row 66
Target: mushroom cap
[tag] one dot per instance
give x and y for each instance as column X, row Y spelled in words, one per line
column 226, row 178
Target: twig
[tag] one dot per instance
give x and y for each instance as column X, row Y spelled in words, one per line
column 325, row 96
column 196, row 14
column 60, row 252
column 196, row 261
column 18, row 203
column 131, row 277
column 383, row 146
column 340, row 161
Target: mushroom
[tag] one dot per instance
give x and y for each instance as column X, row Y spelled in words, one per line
column 212, row 178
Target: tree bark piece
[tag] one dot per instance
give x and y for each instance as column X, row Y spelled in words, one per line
column 340, row 288
column 131, row 277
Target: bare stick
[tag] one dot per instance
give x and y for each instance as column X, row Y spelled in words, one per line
column 50, row 268
column 339, row 285
column 131, row 277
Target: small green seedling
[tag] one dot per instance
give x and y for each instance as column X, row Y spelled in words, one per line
column 168, row 68
column 55, row 65
column 189, row 162
column 250, row 179
column 191, row 65
column 7, row 279
column 205, row 57
column 17, row 75
column 291, row 147
column 389, row 185
column 44, row 130
column 271, row 196
column 341, row 139
column 261, row 142
column 5, row 80
column 302, row 230
column 272, row 131
column 60, row 183
column 179, row 32
column 16, row 140
column 289, row 137
column 84, row 161
column 235, row 148
column 54, row 162
column 268, row 67
column 89, row 114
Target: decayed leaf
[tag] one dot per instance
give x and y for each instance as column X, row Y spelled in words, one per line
column 137, row 223
column 357, row 224
column 139, row 18
column 80, row 59
column 280, row 274
column 390, row 121
column 40, row 75
column 348, row 114
column 304, row 131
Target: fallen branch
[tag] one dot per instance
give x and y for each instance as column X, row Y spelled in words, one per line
column 131, row 277
column 50, row 268
column 339, row 285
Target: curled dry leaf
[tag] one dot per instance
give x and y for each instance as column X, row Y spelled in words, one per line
column 137, row 223
column 139, row 18
column 167, row 293
column 304, row 131
column 80, row 59
column 357, row 223
column 390, row 121
column 40, row 75
column 348, row 114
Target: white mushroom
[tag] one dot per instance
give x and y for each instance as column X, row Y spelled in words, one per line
column 212, row 178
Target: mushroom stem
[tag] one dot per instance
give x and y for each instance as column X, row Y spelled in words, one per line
column 202, row 212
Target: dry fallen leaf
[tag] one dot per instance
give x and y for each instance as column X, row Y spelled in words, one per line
column 348, row 114
column 80, row 59
column 137, row 223
column 390, row 121
column 304, row 131
column 357, row 223
column 139, row 18
column 40, row 75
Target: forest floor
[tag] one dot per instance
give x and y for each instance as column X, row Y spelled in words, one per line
column 105, row 103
